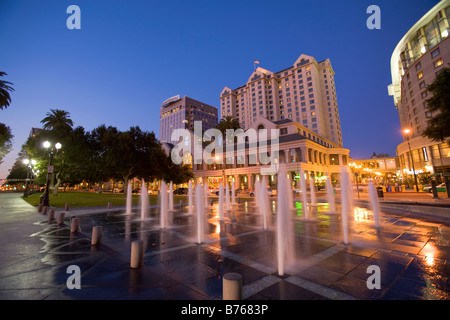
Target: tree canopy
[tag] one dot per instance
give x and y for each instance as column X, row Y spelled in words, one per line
column 5, row 89
column 102, row 154
column 5, row 141
column 439, row 126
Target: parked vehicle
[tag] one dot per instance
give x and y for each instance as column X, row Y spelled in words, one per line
column 180, row 191
column 216, row 191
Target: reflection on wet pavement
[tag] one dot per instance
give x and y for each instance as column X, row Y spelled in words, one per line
column 412, row 255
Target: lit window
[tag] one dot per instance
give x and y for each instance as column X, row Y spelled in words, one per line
column 438, row 63
column 420, row 75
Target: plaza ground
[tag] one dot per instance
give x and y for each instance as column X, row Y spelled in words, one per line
column 411, row 249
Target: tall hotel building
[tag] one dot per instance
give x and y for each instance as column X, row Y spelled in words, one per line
column 180, row 113
column 416, row 61
column 304, row 93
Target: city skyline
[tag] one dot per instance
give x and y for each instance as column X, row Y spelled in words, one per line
column 127, row 59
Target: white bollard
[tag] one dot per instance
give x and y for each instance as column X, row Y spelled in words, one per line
column 232, row 286
column 74, row 225
column 137, row 254
column 96, row 235
column 60, row 218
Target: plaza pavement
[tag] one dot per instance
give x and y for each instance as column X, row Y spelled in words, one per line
column 412, row 251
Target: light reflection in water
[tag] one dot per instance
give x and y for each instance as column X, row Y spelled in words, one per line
column 429, row 251
column 360, row 214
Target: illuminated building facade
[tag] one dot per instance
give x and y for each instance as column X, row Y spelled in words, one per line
column 416, row 61
column 304, row 93
column 180, row 113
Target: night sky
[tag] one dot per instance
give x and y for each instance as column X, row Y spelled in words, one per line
column 129, row 56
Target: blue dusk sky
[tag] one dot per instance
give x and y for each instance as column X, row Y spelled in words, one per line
column 129, row 56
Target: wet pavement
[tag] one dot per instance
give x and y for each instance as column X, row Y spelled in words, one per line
column 412, row 253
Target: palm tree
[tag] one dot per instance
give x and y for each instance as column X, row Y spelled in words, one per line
column 228, row 123
column 5, row 98
column 57, row 119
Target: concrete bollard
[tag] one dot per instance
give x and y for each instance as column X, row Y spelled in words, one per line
column 44, row 210
column 40, row 207
column 74, row 225
column 96, row 235
column 232, row 286
column 51, row 214
column 60, row 218
column 66, row 207
column 137, row 254
column 109, row 206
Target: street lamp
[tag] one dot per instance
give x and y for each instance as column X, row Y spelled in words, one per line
column 407, row 131
column 47, row 145
column 29, row 165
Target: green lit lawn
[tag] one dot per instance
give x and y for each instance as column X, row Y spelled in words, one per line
column 87, row 199
column 92, row 199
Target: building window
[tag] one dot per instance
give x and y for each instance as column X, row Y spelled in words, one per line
column 438, row 63
column 420, row 75
column 422, row 85
column 435, row 53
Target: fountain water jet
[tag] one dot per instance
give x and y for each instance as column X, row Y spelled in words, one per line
column 290, row 197
column 346, row 200
column 171, row 196
column 221, row 202
column 144, row 201
column 205, row 194
column 190, row 197
column 233, row 193
column 199, row 207
column 330, row 195
column 164, row 212
column 374, row 204
column 227, row 197
column 129, row 199
column 313, row 191
column 285, row 236
column 265, row 206
column 304, row 195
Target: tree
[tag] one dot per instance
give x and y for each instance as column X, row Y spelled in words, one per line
column 5, row 88
column 439, row 126
column 228, row 123
column 5, row 141
column 176, row 173
column 5, row 131
column 57, row 119
column 19, row 169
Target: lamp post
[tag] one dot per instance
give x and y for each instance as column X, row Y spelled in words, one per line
column 47, row 145
column 29, row 164
column 407, row 131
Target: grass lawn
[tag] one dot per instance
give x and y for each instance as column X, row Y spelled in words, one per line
column 92, row 199
column 87, row 199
